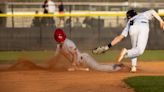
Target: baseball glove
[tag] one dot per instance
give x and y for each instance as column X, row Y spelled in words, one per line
column 100, row 50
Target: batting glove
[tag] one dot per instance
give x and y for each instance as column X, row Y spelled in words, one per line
column 100, row 50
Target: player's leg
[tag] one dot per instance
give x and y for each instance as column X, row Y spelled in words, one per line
column 142, row 39
column 122, row 55
column 134, row 64
column 140, row 46
column 133, row 60
column 139, row 38
column 92, row 64
column 141, row 42
column 134, row 37
column 134, row 40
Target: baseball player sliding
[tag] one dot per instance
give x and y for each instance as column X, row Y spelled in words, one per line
column 138, row 29
column 67, row 48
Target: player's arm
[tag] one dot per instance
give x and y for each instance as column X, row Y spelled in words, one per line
column 103, row 49
column 58, row 47
column 122, row 35
column 73, row 53
column 74, row 58
column 155, row 14
column 75, row 65
column 116, row 40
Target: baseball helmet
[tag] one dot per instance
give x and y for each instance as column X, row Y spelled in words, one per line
column 130, row 13
column 59, row 35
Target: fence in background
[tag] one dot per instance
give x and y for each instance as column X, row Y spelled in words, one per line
column 35, row 32
column 86, row 32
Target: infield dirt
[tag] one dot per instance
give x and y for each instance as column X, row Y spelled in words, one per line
column 25, row 76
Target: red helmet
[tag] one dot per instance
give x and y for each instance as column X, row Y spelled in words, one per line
column 59, row 35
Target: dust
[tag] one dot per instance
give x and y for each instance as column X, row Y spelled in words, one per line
column 24, row 64
column 58, row 63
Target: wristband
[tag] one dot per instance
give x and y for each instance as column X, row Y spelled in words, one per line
column 109, row 45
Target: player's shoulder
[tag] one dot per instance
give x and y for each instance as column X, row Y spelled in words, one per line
column 148, row 12
column 70, row 42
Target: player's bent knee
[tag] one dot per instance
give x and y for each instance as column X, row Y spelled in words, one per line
column 141, row 52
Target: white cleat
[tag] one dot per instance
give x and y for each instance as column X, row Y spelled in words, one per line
column 123, row 52
column 133, row 69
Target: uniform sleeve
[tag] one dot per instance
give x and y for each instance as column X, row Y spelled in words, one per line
column 72, row 47
column 152, row 13
column 125, row 31
column 148, row 14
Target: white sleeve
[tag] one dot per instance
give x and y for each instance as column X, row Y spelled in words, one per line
column 70, row 45
column 72, row 48
column 152, row 13
column 126, row 29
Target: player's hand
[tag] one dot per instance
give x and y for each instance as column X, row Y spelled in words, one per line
column 162, row 24
column 100, row 50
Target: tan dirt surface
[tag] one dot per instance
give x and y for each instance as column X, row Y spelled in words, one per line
column 39, row 79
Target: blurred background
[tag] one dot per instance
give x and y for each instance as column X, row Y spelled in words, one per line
column 28, row 33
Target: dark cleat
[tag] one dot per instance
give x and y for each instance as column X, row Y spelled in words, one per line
column 115, row 66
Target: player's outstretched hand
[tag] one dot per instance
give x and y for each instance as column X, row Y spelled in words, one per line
column 100, row 50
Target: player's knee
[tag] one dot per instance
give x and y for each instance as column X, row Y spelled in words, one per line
column 83, row 56
column 140, row 52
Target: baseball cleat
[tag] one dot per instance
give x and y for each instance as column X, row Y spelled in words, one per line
column 123, row 52
column 133, row 69
column 118, row 65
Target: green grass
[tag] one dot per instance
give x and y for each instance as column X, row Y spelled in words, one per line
column 37, row 56
column 41, row 56
column 152, row 55
column 149, row 55
column 146, row 83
